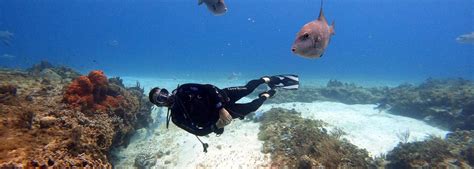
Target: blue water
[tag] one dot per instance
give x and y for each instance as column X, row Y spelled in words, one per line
column 387, row 39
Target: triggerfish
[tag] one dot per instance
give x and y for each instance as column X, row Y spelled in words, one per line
column 466, row 38
column 314, row 37
column 217, row 7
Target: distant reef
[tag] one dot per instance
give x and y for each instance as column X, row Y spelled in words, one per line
column 348, row 93
column 448, row 103
column 52, row 116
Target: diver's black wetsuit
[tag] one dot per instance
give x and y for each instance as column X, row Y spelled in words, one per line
column 196, row 106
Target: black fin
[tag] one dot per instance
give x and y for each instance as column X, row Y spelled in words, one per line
column 288, row 81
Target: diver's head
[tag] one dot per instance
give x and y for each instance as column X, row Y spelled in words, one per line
column 160, row 97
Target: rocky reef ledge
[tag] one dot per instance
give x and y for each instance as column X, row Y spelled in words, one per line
column 455, row 151
column 446, row 103
column 52, row 116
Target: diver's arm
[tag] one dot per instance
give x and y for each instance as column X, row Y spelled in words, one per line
column 224, row 118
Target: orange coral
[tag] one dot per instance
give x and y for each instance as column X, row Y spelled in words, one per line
column 90, row 92
column 81, row 86
column 98, row 77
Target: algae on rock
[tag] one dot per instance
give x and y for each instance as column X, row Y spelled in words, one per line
column 452, row 152
column 296, row 142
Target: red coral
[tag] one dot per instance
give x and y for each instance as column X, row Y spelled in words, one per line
column 90, row 92
column 81, row 86
column 98, row 78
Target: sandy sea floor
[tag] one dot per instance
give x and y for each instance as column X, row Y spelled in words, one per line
column 239, row 146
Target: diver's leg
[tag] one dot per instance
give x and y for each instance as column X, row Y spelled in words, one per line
column 236, row 93
column 238, row 110
column 241, row 110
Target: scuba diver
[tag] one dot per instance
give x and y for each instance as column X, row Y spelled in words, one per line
column 202, row 109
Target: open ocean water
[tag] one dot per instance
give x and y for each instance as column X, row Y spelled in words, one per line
column 403, row 40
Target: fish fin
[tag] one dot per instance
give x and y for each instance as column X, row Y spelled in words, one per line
column 321, row 14
column 200, row 2
column 332, row 29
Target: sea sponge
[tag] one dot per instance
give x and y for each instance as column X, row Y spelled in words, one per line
column 90, row 92
column 81, row 86
column 79, row 92
column 98, row 78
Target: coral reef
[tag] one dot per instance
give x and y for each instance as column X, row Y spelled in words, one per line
column 350, row 93
column 143, row 115
column 49, row 72
column 455, row 151
column 347, row 93
column 91, row 93
column 295, row 142
column 448, row 103
column 40, row 128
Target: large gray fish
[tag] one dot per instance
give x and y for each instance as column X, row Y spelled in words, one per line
column 466, row 38
column 217, row 7
column 314, row 37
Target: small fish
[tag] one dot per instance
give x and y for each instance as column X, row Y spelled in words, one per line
column 217, row 7
column 113, row 43
column 466, row 38
column 6, row 37
column 314, row 37
column 7, row 56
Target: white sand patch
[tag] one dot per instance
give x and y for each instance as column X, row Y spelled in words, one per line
column 238, row 147
column 366, row 127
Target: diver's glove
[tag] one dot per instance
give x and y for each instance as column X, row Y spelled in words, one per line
column 217, row 130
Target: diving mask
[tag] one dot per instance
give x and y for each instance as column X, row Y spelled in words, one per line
column 159, row 96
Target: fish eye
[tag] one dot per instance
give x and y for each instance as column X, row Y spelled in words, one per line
column 305, row 36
